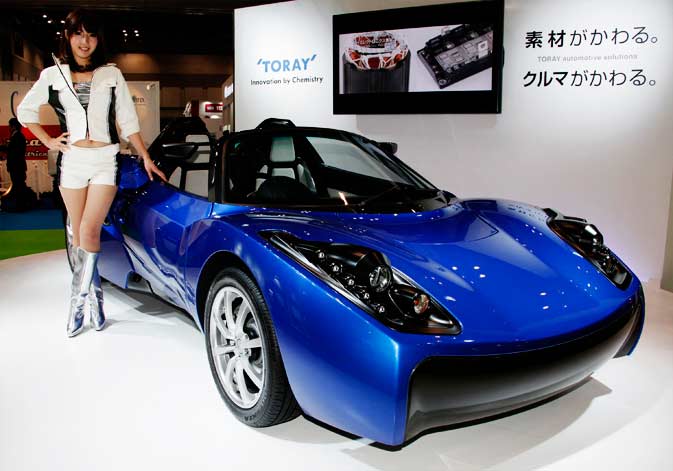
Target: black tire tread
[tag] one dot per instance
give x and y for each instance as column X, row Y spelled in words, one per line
column 281, row 405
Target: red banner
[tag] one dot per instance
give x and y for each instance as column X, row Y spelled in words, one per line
column 214, row 107
column 35, row 150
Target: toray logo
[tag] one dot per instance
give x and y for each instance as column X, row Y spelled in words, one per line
column 286, row 65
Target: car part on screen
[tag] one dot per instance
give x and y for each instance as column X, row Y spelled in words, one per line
column 458, row 53
column 588, row 241
column 375, row 62
column 376, row 50
column 365, row 277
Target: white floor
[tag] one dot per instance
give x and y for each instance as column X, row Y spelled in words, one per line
column 140, row 396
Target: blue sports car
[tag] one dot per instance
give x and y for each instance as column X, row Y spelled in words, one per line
column 332, row 279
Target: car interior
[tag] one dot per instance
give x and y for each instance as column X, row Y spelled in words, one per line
column 183, row 151
column 297, row 168
column 192, row 174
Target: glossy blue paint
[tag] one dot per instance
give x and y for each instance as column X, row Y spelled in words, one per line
column 115, row 266
column 513, row 285
column 132, row 174
column 165, row 217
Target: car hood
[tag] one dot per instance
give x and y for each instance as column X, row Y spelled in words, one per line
column 495, row 265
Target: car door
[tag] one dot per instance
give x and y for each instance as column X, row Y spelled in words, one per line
column 157, row 224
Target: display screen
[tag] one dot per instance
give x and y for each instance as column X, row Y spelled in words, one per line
column 435, row 59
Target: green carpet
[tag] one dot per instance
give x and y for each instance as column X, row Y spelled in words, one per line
column 17, row 243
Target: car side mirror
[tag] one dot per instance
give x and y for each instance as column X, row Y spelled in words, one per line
column 389, row 147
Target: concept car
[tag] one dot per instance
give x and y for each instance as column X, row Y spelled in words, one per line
column 330, row 278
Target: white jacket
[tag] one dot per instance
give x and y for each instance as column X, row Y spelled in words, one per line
column 110, row 101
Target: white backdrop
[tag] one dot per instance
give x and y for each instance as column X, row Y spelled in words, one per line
column 600, row 152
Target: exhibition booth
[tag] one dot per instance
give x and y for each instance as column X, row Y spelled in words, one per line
column 432, row 236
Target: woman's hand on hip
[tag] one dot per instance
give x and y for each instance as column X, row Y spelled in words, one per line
column 59, row 143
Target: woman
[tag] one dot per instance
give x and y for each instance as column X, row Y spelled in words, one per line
column 89, row 96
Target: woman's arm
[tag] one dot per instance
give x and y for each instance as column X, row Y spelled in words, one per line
column 150, row 167
column 28, row 113
column 127, row 119
column 60, row 142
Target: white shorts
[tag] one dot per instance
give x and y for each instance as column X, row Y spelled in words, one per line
column 81, row 166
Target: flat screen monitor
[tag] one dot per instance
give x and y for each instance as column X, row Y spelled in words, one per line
column 431, row 59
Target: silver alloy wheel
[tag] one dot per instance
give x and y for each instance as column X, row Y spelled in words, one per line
column 68, row 243
column 236, row 346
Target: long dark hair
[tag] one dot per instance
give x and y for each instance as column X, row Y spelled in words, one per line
column 78, row 20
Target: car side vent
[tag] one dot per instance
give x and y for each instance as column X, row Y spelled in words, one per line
column 274, row 123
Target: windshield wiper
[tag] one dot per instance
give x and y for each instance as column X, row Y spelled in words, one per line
column 387, row 192
column 409, row 195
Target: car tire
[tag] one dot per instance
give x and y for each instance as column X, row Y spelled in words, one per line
column 243, row 352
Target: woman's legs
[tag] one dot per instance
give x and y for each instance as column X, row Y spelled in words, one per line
column 99, row 199
column 75, row 201
column 87, row 179
column 87, row 208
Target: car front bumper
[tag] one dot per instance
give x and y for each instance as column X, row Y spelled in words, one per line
column 451, row 390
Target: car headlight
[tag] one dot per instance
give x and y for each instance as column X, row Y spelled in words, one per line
column 365, row 277
column 587, row 240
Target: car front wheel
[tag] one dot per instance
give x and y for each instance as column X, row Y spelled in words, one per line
column 243, row 352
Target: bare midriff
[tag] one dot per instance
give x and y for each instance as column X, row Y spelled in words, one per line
column 89, row 143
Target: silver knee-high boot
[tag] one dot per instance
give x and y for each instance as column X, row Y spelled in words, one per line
column 76, row 315
column 96, row 301
column 85, row 264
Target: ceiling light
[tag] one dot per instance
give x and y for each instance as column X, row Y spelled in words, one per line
column 135, row 31
column 49, row 21
column 44, row 16
column 123, row 31
column 62, row 22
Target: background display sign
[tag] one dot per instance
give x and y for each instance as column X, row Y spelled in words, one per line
column 35, row 150
column 214, row 107
column 597, row 56
column 286, row 71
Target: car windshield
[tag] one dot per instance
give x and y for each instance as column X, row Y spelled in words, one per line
column 322, row 169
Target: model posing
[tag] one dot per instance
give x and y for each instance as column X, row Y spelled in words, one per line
column 90, row 97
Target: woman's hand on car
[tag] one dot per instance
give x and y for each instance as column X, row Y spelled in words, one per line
column 151, row 168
